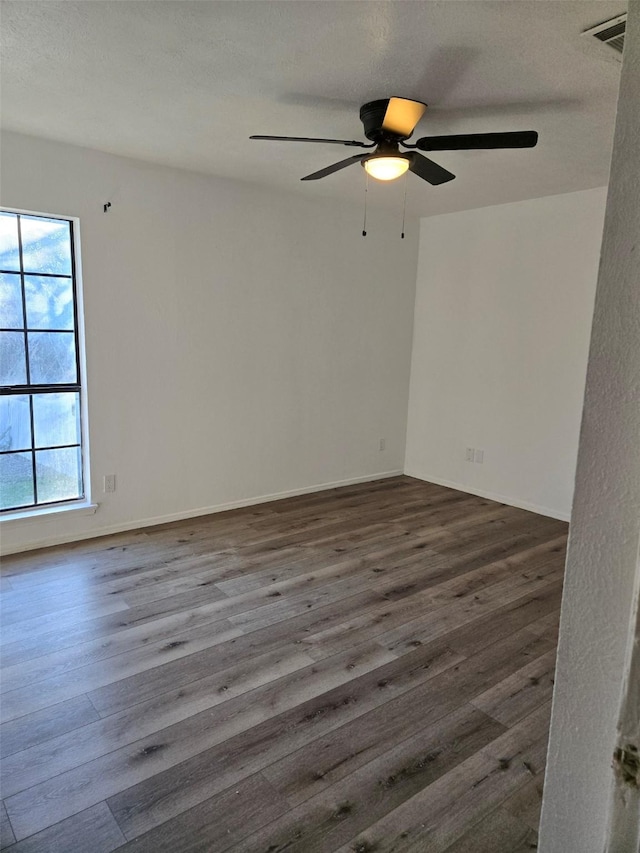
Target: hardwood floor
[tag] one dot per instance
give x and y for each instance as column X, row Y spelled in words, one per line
column 363, row 669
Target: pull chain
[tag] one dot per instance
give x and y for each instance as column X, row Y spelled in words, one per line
column 404, row 206
column 366, row 190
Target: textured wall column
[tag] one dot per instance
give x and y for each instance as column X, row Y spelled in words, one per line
column 598, row 611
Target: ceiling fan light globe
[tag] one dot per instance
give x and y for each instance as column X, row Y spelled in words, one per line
column 386, row 168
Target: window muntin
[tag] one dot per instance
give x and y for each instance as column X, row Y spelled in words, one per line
column 41, row 460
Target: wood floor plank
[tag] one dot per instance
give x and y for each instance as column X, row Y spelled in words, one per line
column 375, row 503
column 380, row 548
column 53, row 721
column 16, row 653
column 477, row 787
column 116, row 637
column 526, row 803
column 435, row 611
column 92, row 679
column 172, row 629
column 119, row 695
column 233, row 715
column 31, row 670
column 93, row 830
column 498, row 831
column 115, row 575
column 333, row 532
column 518, row 523
column 313, row 674
column 29, row 568
column 67, row 636
column 430, row 674
column 192, row 703
column 97, row 563
column 335, row 813
column 28, row 626
column 518, row 695
column 522, row 612
column 235, row 651
column 253, row 619
column 446, row 618
column 6, row 832
column 549, row 626
column 195, row 780
column 217, row 824
column 328, row 759
column 161, row 582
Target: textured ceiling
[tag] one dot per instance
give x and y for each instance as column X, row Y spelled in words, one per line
column 185, row 84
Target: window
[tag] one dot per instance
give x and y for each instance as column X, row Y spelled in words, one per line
column 41, row 461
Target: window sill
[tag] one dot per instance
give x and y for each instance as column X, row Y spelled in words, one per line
column 50, row 513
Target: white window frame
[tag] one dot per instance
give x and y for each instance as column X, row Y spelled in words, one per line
column 83, row 504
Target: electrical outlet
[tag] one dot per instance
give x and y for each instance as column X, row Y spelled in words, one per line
column 479, row 456
column 109, row 483
column 383, row 444
column 469, row 454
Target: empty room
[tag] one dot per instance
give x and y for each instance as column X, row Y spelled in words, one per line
column 319, row 416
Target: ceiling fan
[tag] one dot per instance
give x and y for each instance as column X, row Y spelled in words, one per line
column 388, row 123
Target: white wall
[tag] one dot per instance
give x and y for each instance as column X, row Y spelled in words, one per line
column 239, row 343
column 598, row 639
column 504, row 302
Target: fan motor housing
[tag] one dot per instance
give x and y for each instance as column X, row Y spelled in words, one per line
column 372, row 116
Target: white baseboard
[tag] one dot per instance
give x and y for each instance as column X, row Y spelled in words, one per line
column 48, row 541
column 493, row 496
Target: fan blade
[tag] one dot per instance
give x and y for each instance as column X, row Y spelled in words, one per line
column 428, row 170
column 329, row 170
column 402, row 115
column 471, row 141
column 352, row 142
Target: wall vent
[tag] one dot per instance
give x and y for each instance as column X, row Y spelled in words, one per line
column 610, row 33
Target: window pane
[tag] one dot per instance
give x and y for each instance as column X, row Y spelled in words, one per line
column 52, row 358
column 13, row 365
column 9, row 254
column 15, row 423
column 59, row 474
column 56, row 419
column 16, row 480
column 49, row 302
column 11, row 302
column 46, row 245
